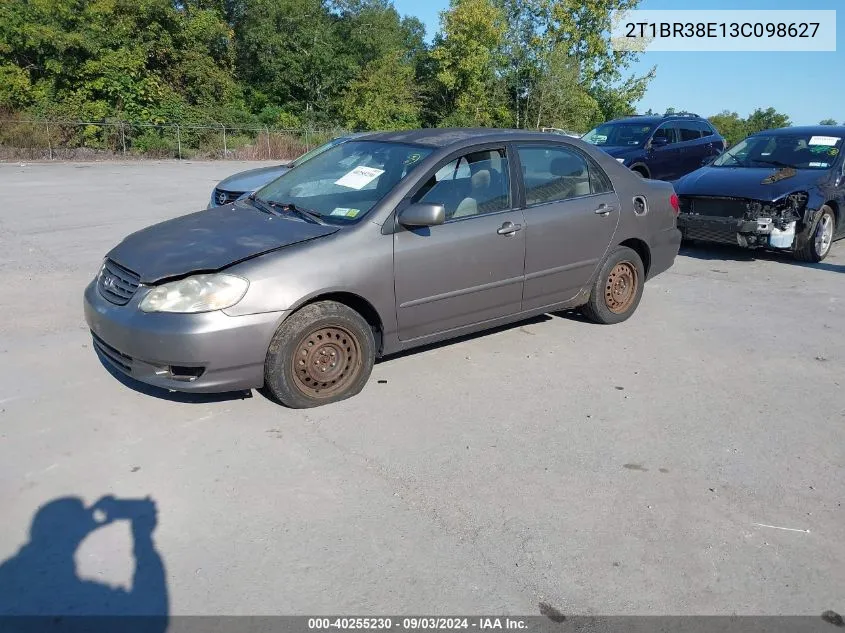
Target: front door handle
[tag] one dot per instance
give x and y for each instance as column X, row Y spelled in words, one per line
column 509, row 228
column 604, row 210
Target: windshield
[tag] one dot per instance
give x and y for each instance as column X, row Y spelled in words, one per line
column 798, row 151
column 344, row 182
column 318, row 150
column 626, row 134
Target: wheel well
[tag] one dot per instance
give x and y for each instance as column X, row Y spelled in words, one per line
column 641, row 249
column 837, row 215
column 362, row 307
column 641, row 168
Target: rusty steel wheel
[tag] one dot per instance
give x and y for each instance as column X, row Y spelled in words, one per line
column 326, row 361
column 621, row 288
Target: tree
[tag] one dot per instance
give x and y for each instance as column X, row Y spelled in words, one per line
column 827, row 122
column 465, row 56
column 583, row 27
column 558, row 100
column 730, row 125
column 767, row 119
column 384, row 96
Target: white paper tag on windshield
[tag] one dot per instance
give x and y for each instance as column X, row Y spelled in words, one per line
column 359, row 177
column 818, row 164
column 824, row 140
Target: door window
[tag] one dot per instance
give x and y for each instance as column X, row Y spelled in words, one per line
column 689, row 131
column 668, row 132
column 555, row 173
column 704, row 128
column 473, row 184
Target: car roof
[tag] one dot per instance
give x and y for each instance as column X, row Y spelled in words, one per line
column 813, row 130
column 446, row 137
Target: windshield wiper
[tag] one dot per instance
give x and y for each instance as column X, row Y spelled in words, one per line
column 306, row 214
column 734, row 159
column 775, row 163
column 262, row 205
column 275, row 208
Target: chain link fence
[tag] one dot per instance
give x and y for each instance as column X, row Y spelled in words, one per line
column 41, row 139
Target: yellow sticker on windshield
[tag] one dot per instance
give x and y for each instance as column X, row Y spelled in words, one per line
column 833, row 151
column 344, row 212
column 412, row 158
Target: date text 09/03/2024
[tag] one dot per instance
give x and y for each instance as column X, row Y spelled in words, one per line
column 417, row 623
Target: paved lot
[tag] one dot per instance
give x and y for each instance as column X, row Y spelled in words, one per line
column 601, row 470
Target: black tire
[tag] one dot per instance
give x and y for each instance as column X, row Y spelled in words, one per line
column 618, row 287
column 639, row 171
column 808, row 250
column 322, row 353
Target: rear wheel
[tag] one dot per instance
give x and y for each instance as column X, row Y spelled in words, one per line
column 322, row 353
column 818, row 243
column 618, row 287
column 639, row 171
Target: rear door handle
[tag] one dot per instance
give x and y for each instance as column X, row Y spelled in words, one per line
column 604, row 209
column 509, row 228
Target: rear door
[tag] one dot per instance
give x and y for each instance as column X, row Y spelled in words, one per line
column 664, row 162
column 469, row 269
column 571, row 214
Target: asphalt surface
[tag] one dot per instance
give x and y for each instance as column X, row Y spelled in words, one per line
column 643, row 468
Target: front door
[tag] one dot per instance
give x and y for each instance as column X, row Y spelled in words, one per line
column 664, row 161
column 570, row 218
column 469, row 269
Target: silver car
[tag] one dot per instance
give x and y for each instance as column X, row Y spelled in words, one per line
column 380, row 244
column 244, row 182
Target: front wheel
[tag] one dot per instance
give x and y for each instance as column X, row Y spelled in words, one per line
column 322, row 353
column 618, row 288
column 818, row 243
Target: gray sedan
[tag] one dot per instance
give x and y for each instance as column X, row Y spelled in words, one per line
column 244, row 182
column 380, row 244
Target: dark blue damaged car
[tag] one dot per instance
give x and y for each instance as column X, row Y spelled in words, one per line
column 778, row 189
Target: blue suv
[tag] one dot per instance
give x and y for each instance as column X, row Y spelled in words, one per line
column 659, row 147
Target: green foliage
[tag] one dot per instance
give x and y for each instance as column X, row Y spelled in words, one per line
column 465, row 56
column 828, row 122
column 734, row 128
column 383, row 97
column 314, row 63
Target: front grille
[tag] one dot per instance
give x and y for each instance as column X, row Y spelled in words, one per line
column 715, row 206
column 117, row 358
column 116, row 283
column 222, row 197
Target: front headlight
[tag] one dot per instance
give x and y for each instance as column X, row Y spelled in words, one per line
column 199, row 293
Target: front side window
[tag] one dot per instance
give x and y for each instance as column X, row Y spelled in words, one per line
column 344, row 182
column 798, row 151
column 473, row 184
column 704, row 128
column 555, row 173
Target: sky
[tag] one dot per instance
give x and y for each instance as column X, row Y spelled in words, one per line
column 806, row 86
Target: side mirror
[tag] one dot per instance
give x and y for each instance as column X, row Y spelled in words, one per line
column 708, row 160
column 423, row 214
column 659, row 141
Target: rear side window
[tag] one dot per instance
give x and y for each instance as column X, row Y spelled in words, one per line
column 667, row 131
column 689, row 131
column 553, row 174
column 704, row 128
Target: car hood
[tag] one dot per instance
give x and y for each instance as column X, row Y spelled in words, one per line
column 757, row 183
column 210, row 240
column 252, row 179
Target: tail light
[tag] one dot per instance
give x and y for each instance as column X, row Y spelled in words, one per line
column 676, row 204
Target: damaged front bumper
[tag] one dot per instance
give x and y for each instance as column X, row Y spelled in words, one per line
column 745, row 222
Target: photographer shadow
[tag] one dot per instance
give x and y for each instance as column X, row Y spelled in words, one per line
column 39, row 586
